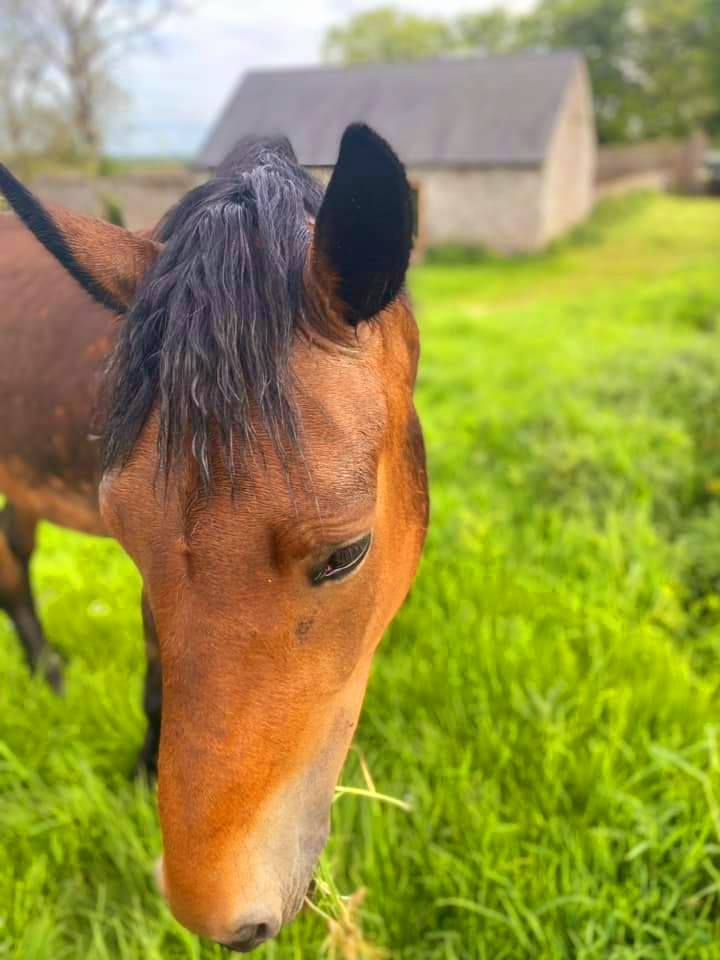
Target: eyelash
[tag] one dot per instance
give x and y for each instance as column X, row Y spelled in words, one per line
column 343, row 561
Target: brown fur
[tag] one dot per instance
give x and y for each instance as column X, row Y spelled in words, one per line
column 51, row 360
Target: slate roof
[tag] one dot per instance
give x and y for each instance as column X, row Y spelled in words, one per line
column 472, row 111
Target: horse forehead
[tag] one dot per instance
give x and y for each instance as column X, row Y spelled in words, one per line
column 340, row 391
column 342, row 419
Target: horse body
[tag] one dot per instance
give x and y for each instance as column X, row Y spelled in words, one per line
column 54, row 343
column 263, row 466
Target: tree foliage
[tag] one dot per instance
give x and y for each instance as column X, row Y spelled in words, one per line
column 493, row 31
column 676, row 53
column 650, row 60
column 655, row 64
column 602, row 30
column 387, row 34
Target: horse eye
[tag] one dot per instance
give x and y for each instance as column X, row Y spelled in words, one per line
column 343, row 561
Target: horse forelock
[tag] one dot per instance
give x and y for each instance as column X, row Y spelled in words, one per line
column 209, row 337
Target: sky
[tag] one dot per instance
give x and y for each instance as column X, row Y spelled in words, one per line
column 176, row 88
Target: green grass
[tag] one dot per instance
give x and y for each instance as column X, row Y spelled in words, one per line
column 548, row 697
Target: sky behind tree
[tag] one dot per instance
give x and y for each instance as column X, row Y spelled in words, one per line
column 177, row 88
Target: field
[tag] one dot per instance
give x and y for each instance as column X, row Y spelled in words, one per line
column 547, row 700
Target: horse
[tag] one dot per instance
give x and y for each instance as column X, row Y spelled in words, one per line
column 230, row 396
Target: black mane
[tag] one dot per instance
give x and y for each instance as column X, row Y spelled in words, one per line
column 210, row 334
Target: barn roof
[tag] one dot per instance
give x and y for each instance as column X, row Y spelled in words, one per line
column 476, row 111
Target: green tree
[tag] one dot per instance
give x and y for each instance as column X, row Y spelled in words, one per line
column 387, row 34
column 602, row 30
column 674, row 60
column 495, row 31
column 711, row 15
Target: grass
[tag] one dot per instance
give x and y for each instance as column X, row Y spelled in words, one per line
column 547, row 700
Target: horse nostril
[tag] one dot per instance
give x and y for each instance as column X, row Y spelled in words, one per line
column 251, row 935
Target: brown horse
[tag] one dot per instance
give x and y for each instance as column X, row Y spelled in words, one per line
column 261, row 462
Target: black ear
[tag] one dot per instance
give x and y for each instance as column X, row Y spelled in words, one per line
column 363, row 232
column 107, row 261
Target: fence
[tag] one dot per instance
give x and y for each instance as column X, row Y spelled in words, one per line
column 142, row 198
column 662, row 164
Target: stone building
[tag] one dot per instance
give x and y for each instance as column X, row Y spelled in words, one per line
column 500, row 150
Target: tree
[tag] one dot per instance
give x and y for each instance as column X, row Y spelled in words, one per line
column 387, row 34
column 676, row 57
column 603, row 31
column 23, row 127
column 75, row 46
column 650, row 60
column 711, row 19
column 493, row 31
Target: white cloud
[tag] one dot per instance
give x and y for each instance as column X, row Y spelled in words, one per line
column 177, row 88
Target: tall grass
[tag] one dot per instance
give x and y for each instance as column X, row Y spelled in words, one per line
column 547, row 700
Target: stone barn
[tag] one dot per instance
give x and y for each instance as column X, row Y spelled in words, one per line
column 500, row 150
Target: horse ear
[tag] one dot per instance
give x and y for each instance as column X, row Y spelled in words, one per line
column 363, row 232
column 107, row 261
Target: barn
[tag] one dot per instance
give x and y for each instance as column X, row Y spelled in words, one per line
column 500, row 150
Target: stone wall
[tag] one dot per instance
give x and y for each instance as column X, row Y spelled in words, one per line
column 569, row 182
column 676, row 164
column 143, row 198
column 499, row 209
